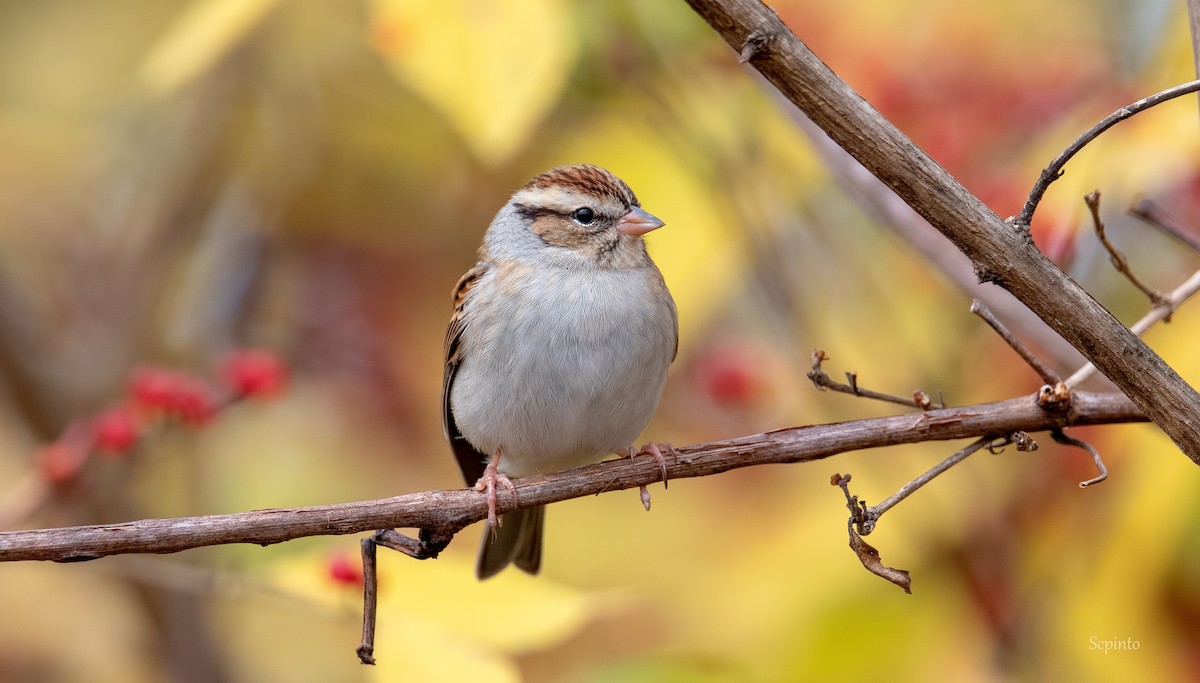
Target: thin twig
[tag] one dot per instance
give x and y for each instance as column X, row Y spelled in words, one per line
column 1158, row 217
column 1044, row 371
column 858, row 509
column 1060, row 437
column 822, row 380
column 874, row 512
column 426, row 547
column 366, row 649
column 1055, row 170
column 444, row 513
column 1092, row 199
column 866, row 553
column 1156, row 315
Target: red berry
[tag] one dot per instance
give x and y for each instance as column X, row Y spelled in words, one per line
column 115, row 430
column 344, row 571
column 171, row 393
column 192, row 402
column 60, row 461
column 254, row 374
column 152, row 388
column 729, row 374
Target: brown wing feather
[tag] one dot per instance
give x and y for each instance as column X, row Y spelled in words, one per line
column 470, row 461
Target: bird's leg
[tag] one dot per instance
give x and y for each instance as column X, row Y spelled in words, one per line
column 656, row 451
column 492, row 476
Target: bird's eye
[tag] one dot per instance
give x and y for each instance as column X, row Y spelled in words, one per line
column 583, row 216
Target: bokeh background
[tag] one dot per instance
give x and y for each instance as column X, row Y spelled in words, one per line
column 179, row 179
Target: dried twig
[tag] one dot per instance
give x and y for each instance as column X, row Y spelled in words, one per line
column 872, row 514
column 1055, row 170
column 1060, row 437
column 866, row 517
column 1157, row 314
column 1092, row 199
column 822, row 380
column 426, row 547
column 866, row 553
column 366, row 649
column 1044, row 371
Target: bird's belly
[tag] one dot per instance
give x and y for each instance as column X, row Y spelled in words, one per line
column 563, row 379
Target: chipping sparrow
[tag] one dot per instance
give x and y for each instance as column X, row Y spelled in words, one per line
column 558, row 348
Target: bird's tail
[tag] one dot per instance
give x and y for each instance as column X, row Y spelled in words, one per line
column 518, row 541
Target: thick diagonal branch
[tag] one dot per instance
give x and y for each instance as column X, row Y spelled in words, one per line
column 444, row 513
column 1000, row 252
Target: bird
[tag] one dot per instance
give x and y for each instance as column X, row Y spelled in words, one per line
column 557, row 350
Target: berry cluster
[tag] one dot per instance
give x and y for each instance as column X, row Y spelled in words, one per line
column 155, row 395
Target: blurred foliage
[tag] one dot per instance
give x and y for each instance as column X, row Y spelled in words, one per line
column 181, row 178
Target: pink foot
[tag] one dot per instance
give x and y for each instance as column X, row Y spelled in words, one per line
column 491, row 477
column 656, row 451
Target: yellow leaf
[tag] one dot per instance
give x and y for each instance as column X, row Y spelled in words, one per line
column 206, row 31
column 481, row 621
column 426, row 651
column 513, row 612
column 493, row 68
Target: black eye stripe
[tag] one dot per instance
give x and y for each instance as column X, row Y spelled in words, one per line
column 533, row 212
column 599, row 223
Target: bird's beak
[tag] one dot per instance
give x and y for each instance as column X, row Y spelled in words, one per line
column 638, row 222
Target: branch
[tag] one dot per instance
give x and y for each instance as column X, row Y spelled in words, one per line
column 822, row 381
column 1118, row 260
column 1044, row 371
column 1055, row 170
column 1158, row 314
column 1000, row 252
column 444, row 513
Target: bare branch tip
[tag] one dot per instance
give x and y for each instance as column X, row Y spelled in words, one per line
column 756, row 43
column 1044, row 371
column 366, row 655
column 1116, row 257
column 1065, row 440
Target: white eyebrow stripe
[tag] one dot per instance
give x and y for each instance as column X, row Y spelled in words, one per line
column 564, row 201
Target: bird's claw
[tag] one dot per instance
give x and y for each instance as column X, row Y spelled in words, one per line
column 487, row 483
column 656, row 451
